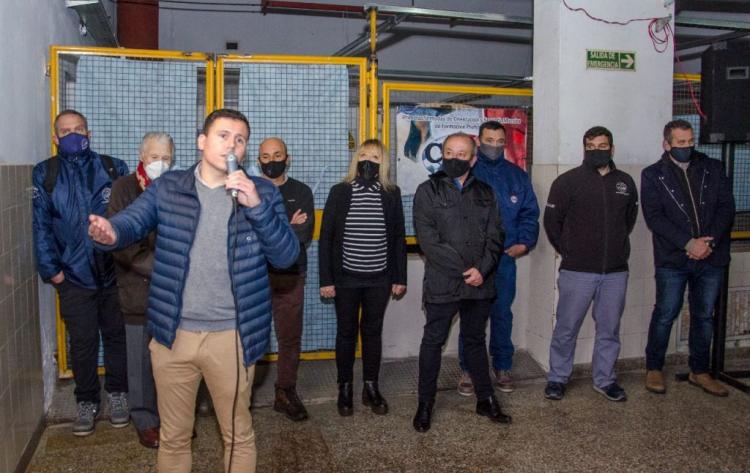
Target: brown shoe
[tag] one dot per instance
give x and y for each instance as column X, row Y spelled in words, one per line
column 655, row 382
column 708, row 384
column 287, row 402
column 149, row 438
column 504, row 380
column 465, row 386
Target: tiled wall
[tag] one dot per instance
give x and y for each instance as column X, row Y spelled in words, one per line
column 21, row 391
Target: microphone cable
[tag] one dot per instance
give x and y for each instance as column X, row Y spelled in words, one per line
column 232, row 252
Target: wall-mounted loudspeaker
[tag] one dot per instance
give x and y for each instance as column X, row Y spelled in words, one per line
column 725, row 92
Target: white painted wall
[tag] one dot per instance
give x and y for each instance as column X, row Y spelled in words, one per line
column 323, row 35
column 28, row 28
column 634, row 105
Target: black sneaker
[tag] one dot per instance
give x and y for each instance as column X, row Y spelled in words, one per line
column 85, row 419
column 613, row 392
column 554, row 391
column 119, row 412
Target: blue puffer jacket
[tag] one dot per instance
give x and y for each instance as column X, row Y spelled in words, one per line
column 171, row 206
column 61, row 241
column 515, row 196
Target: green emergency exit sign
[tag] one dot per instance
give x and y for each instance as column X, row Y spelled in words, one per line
column 610, row 60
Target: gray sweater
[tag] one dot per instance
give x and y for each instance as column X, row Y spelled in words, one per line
column 208, row 304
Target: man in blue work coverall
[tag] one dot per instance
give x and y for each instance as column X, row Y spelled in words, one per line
column 520, row 215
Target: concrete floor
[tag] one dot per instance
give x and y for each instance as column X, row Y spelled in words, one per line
column 684, row 430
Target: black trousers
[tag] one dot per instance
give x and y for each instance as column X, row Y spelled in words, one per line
column 373, row 301
column 473, row 315
column 87, row 314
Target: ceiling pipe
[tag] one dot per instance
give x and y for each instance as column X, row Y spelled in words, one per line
column 363, row 41
column 315, row 7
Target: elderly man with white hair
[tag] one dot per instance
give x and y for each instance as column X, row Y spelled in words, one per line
column 134, row 265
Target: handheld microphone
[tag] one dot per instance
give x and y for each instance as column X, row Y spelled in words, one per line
column 231, row 167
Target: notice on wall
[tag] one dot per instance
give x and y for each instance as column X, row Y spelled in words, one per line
column 610, row 60
column 420, row 132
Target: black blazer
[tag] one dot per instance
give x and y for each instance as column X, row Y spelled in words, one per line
column 331, row 244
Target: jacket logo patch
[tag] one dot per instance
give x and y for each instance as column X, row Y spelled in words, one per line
column 513, row 199
column 35, row 192
column 621, row 188
column 106, row 193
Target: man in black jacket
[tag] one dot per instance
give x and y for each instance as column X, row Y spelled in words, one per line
column 459, row 230
column 288, row 285
column 689, row 208
column 590, row 213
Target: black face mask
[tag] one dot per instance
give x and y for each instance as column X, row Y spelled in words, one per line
column 455, row 167
column 597, row 158
column 682, row 155
column 273, row 169
column 368, row 170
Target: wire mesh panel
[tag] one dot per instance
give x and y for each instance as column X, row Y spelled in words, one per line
column 686, row 97
column 125, row 94
column 395, row 98
column 316, row 108
column 125, row 97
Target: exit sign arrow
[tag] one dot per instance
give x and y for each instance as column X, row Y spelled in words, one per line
column 610, row 60
column 627, row 60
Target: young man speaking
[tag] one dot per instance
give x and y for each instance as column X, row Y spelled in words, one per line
column 209, row 301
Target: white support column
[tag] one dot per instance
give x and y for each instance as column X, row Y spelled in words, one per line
column 633, row 101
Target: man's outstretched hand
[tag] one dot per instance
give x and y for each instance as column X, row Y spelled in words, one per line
column 101, row 231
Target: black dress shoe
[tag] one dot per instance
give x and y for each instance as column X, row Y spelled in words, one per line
column 371, row 397
column 423, row 418
column 345, row 402
column 490, row 408
column 288, row 402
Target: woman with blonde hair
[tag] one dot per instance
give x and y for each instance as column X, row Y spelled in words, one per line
column 362, row 263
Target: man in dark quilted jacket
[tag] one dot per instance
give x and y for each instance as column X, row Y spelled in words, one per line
column 209, row 305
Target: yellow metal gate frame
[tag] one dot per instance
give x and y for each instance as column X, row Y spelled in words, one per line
column 214, row 99
column 55, row 53
column 390, row 87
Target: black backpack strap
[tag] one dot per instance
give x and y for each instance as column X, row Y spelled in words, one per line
column 109, row 165
column 51, row 177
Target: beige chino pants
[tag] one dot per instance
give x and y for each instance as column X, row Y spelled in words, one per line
column 178, row 372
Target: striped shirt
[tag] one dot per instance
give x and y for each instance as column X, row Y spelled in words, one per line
column 365, row 243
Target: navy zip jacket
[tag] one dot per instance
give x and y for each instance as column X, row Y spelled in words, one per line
column 171, row 206
column 515, row 197
column 60, row 219
column 670, row 215
column 589, row 218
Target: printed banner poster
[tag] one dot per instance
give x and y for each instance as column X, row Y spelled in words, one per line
column 420, row 132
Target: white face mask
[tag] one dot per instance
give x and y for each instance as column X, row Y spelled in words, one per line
column 156, row 169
